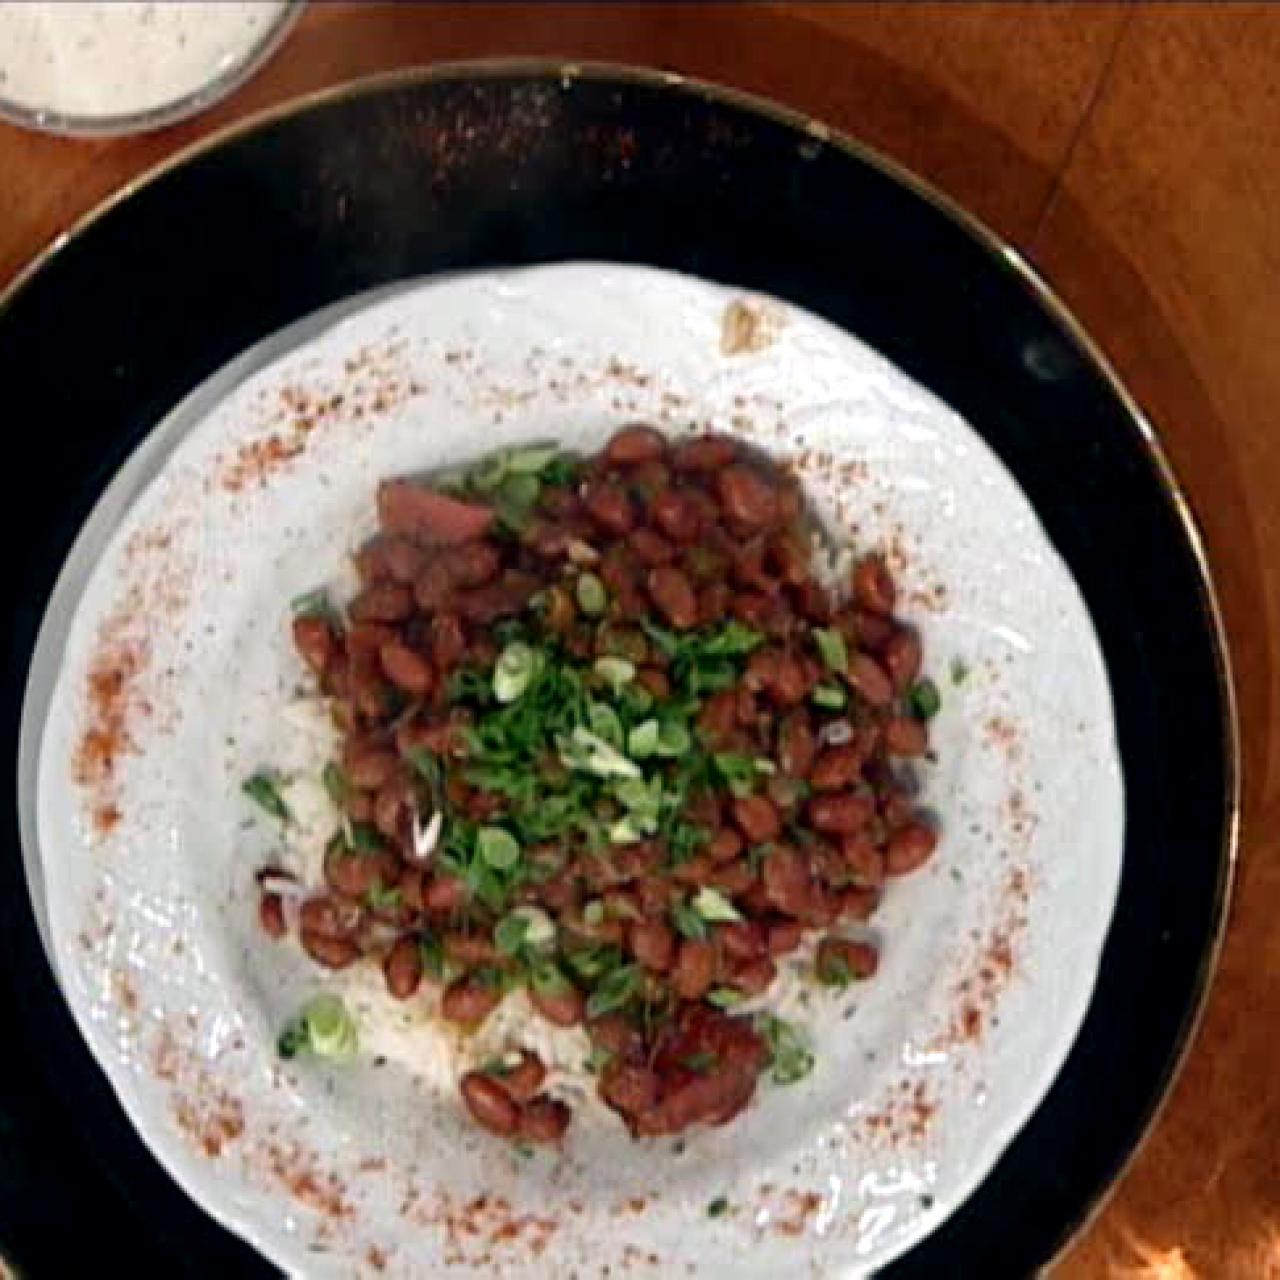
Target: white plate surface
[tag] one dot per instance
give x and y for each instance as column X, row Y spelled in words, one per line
column 165, row 675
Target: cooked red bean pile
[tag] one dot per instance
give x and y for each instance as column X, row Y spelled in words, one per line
column 607, row 736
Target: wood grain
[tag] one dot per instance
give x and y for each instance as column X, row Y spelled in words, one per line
column 1134, row 154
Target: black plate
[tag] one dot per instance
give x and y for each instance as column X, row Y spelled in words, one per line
column 482, row 166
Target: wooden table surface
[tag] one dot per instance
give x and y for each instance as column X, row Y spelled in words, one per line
column 1132, row 152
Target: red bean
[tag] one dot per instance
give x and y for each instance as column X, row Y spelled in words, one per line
column 864, row 860
column 368, row 766
column 402, row 968
column 784, row 937
column 651, row 548
column 905, row 736
column 413, row 881
column 909, row 847
column 858, row 903
column 406, row 669
column 677, row 515
column 788, row 555
column 444, row 894
column 873, row 587
column 868, row 677
column 653, row 944
column 757, row 819
column 741, row 939
column 616, row 1035
column 610, row 507
column 695, row 969
column 788, row 885
column 901, row 657
column 271, row 915
column 523, row 1081
column 718, row 717
column 748, row 499
column 812, row 602
column 655, row 894
column 469, row 949
column 724, row 846
column 628, row 1087
column 404, row 560
column 392, row 809
column 704, row 453
column 797, row 744
column 354, row 874
column 469, row 1000
column 634, row 445
column 433, row 588
column 332, row 953
column 448, row 641
column 316, row 641
column 836, row 768
column 490, row 1105
column 473, row 564
column 544, row 1120
column 386, row 602
column 841, row 959
column 754, row 977
column 755, row 608
column 674, row 596
column 841, row 813
column 655, row 682
column 329, row 917
column 732, row 878
column 563, row 1007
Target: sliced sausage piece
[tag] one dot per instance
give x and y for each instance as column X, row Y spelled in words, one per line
column 414, row 511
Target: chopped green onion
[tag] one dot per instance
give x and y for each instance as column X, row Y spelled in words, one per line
column 642, row 741
column 597, row 1060
column 547, row 980
column 606, row 724
column 714, row 907
column 615, row 672
column 525, row 928
column 832, row 649
column 589, row 753
column 593, row 913
column 381, row 898
column 264, row 790
column 614, row 990
column 514, row 671
column 498, row 848
column 717, row 1207
column 924, row 699
column 673, row 739
column 628, row 830
column 531, row 459
column 688, row 922
column 724, row 997
column 313, row 604
column 516, row 497
column 791, row 1059
column 323, row 1027
column 335, row 783
column 363, row 837
column 830, row 696
column 591, row 595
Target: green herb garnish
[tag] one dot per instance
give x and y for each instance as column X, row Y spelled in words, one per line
column 591, row 595
column 616, row 989
column 322, row 1027
column 717, row 1207
column 832, row 649
column 924, row 699
column 263, row 789
column 830, row 697
column 791, row 1059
